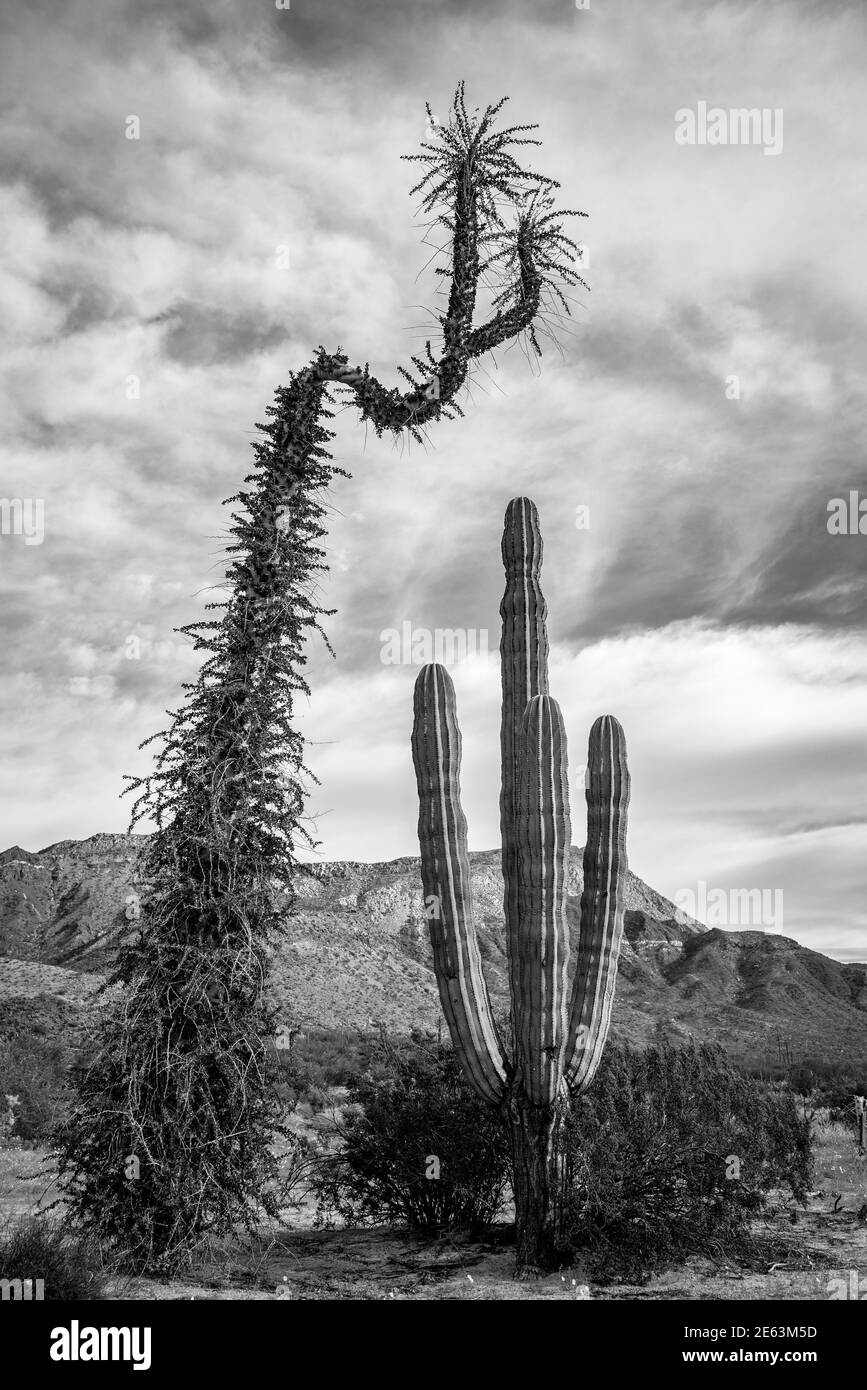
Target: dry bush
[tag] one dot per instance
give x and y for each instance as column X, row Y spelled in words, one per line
column 670, row 1153
column 415, row 1107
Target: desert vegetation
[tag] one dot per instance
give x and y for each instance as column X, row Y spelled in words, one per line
column 668, row 1153
column 197, row 1129
column 69, row 1266
column 395, row 1175
column 673, row 1152
column 170, row 1134
column 555, row 1046
column 421, row 1149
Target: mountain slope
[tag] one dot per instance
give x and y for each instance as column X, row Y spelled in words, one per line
column 357, row 951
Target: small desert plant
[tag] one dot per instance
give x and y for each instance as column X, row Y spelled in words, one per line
column 829, row 1128
column 670, row 1153
column 831, row 1083
column 425, row 1151
column 299, row 1162
column 38, row 1247
column 34, row 1068
column 326, row 1057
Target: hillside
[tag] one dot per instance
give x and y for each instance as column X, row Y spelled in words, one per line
column 357, row 951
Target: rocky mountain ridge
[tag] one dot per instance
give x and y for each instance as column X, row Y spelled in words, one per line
column 356, row 952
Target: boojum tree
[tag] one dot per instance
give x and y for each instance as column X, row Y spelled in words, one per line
column 170, row 1134
column 556, row 1043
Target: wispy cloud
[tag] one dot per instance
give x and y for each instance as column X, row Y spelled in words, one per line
column 708, row 403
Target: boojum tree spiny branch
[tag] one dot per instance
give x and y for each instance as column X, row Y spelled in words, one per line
column 179, row 1092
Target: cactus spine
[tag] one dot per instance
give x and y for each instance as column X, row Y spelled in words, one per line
column 556, row 1044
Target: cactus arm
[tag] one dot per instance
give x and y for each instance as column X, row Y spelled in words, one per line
column 524, row 672
column 543, row 836
column 602, row 902
column 445, row 870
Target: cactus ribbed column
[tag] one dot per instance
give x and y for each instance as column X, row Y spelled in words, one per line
column 555, row 1052
column 524, row 670
column 445, row 870
column 542, row 839
column 602, row 901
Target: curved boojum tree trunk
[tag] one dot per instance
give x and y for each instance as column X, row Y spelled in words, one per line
column 181, row 1082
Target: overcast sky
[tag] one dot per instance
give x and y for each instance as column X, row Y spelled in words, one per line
column 706, row 604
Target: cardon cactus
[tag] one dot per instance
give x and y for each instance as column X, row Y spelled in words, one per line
column 557, row 1041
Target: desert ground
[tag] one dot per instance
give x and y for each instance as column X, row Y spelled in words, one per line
column 814, row 1249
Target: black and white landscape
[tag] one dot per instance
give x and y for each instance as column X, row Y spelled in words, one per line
column 651, row 326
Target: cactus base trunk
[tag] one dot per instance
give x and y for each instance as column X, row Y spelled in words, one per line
column 538, row 1184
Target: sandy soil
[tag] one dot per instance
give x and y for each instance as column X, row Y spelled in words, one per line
column 828, row 1241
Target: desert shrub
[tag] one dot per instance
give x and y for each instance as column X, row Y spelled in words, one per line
column 418, row 1116
column 839, row 1099
column 670, row 1153
column 829, row 1128
column 299, row 1162
column 321, row 1058
column 34, row 1066
column 331, row 1056
column 828, row 1083
column 38, row 1247
column 838, row 1112
column 829, row 1086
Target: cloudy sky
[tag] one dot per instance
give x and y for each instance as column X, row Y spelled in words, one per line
column 707, row 403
